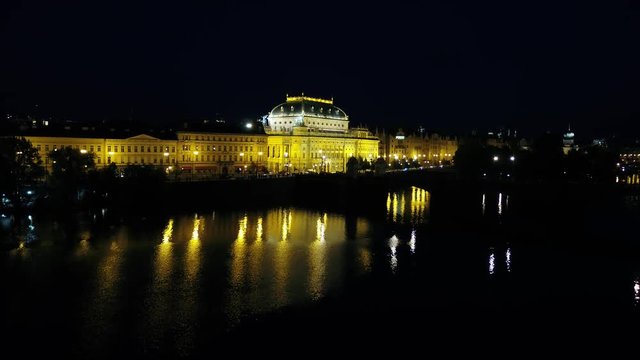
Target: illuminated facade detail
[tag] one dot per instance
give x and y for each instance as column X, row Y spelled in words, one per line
column 221, row 153
column 307, row 134
column 193, row 152
column 137, row 150
column 431, row 149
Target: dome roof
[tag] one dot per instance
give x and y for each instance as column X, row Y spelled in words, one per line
column 297, row 105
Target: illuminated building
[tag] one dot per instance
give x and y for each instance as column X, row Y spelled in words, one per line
column 312, row 134
column 221, row 153
column 302, row 134
column 425, row 148
column 136, row 150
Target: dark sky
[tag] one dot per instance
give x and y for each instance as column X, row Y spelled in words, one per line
column 449, row 65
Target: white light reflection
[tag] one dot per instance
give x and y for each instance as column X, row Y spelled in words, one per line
column 484, row 205
column 508, row 259
column 393, row 244
column 492, row 263
column 412, row 242
column 500, row 204
column 636, row 292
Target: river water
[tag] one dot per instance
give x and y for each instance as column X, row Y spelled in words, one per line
column 99, row 284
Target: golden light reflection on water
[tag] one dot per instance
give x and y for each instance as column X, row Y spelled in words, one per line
column 259, row 229
column 239, row 255
column 317, row 259
column 83, row 248
column 168, row 232
column 633, row 179
column 192, row 259
column 281, row 272
column 256, row 258
column 286, row 224
column 410, row 206
column 163, row 258
column 287, row 255
column 365, row 259
column 100, row 305
column 159, row 305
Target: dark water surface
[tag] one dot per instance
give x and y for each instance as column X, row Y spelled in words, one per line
column 100, row 284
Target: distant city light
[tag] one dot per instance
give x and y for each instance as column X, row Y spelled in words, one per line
column 249, row 125
column 496, row 158
column 512, row 158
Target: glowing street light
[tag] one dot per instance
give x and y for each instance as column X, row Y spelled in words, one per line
column 496, row 158
column 83, row 151
column 512, row 158
column 249, row 125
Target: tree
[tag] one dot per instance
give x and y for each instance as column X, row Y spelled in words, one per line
column 472, row 159
column 352, row 167
column 69, row 171
column 380, row 166
column 20, row 165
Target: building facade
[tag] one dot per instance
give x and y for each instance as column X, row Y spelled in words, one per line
column 306, row 134
column 302, row 134
column 430, row 149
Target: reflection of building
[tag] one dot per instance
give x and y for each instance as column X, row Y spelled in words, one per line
column 421, row 147
column 311, row 134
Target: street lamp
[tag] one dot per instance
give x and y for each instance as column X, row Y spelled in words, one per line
column 512, row 158
column 496, row 158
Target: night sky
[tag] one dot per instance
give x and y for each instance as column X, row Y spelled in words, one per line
column 447, row 65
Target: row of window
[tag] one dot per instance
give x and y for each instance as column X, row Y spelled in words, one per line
column 142, row 148
column 77, row 147
column 203, row 158
column 136, row 160
column 220, row 147
column 220, row 138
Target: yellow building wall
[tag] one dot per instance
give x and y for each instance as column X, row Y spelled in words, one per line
column 218, row 153
column 301, row 153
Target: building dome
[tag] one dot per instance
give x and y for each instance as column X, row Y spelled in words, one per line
column 298, row 106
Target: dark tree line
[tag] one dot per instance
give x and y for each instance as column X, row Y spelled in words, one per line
column 544, row 162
